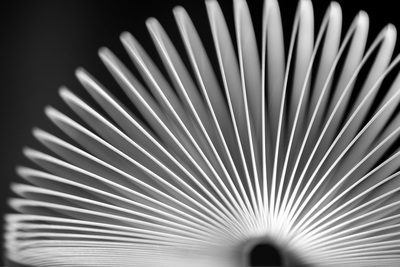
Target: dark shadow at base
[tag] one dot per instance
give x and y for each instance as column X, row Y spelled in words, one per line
column 263, row 253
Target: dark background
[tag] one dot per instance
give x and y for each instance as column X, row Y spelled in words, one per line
column 43, row 42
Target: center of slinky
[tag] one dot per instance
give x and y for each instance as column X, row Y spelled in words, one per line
column 266, row 253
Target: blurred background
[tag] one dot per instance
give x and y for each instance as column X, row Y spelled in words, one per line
column 43, row 42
